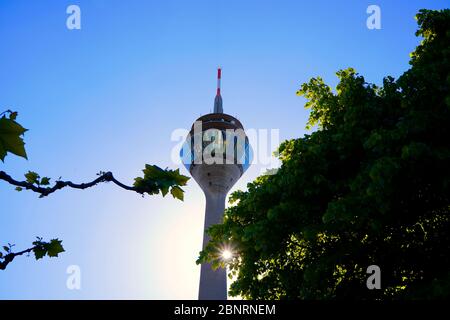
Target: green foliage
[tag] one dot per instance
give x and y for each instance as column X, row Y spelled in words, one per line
column 45, row 181
column 154, row 181
column 177, row 193
column 34, row 178
column 51, row 249
column 11, row 136
column 371, row 186
column 40, row 249
column 157, row 180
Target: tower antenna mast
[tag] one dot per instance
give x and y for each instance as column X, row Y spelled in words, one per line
column 218, row 108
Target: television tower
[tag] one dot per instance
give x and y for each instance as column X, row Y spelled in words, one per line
column 216, row 153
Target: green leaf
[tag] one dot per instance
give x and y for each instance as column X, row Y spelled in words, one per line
column 157, row 180
column 164, row 190
column 10, row 138
column 19, row 189
column 32, row 177
column 177, row 193
column 13, row 115
column 54, row 248
column 45, row 181
column 39, row 252
column 6, row 249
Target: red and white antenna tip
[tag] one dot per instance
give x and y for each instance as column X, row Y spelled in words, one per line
column 219, row 76
column 218, row 100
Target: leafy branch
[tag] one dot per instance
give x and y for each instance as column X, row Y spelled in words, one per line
column 155, row 180
column 40, row 249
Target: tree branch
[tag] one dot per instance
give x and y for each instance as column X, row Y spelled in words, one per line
column 10, row 257
column 45, row 191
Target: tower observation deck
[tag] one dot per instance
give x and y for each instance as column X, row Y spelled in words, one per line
column 216, row 153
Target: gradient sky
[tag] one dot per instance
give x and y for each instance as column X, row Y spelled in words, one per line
column 109, row 96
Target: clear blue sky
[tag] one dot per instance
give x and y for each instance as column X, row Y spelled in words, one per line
column 108, row 97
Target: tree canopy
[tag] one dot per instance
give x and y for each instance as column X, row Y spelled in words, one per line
column 369, row 187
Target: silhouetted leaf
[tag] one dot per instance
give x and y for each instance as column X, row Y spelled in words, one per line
column 32, row 177
column 54, row 248
column 177, row 193
column 10, row 138
column 39, row 252
column 157, row 180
